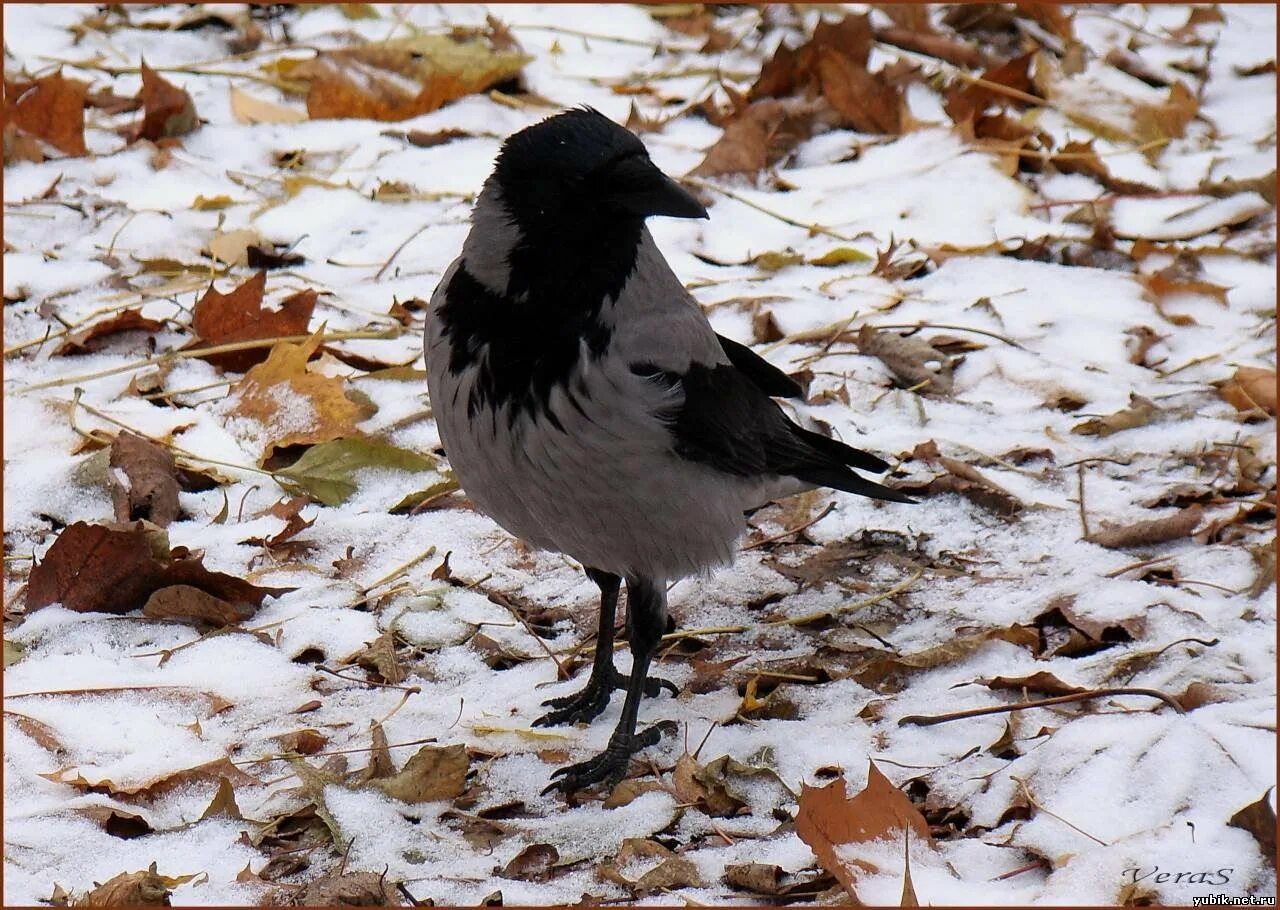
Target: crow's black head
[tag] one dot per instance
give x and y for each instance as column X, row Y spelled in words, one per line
column 580, row 166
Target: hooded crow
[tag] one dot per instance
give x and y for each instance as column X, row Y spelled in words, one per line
column 588, row 407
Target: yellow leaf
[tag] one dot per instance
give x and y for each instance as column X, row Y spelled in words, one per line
column 840, row 256
column 292, row 405
column 210, row 203
column 247, row 109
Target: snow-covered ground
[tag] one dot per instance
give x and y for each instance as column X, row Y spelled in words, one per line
column 105, row 715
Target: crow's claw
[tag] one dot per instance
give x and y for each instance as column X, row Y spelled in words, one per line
column 610, row 766
column 594, row 698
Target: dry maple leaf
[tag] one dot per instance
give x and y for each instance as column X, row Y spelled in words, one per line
column 51, row 108
column 758, row 136
column 239, row 316
column 965, row 102
column 827, row 820
column 294, row 406
column 396, row 80
column 115, row 569
column 167, row 110
column 434, row 772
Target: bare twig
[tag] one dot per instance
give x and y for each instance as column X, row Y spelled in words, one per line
column 928, row 720
column 790, row 531
column 849, row 608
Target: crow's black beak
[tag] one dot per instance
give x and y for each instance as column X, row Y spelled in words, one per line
column 639, row 188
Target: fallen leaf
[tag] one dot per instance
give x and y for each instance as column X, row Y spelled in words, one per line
column 144, row 480
column 827, row 820
column 155, row 786
column 51, row 109
column 247, row 109
column 290, row 510
column 1043, row 682
column 167, row 110
column 303, row 742
column 232, row 248
column 1081, row 158
column 532, row 864
column 349, row 889
column 185, row 602
column 759, row 136
column 114, row 569
column 327, row 471
column 402, row 78
column 964, row 103
column 134, row 889
column 258, row 256
column 915, row 362
column 671, row 872
column 695, row 787
column 295, row 406
column 379, row 655
column 1153, row 531
column 223, row 804
column 210, row 203
column 1140, row 412
column 866, row 103
column 1250, row 389
column 84, row 340
column 433, row 773
column 758, row 878
column 239, row 316
column 1170, row 281
column 887, row 671
column 841, row 255
column 963, row 479
column 1259, row 819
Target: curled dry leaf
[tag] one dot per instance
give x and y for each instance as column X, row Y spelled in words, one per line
column 290, row 510
column 155, row 786
column 134, row 889
column 349, row 889
column 1140, row 412
column 85, row 340
column 963, row 479
column 916, row 363
column 672, row 871
column 223, row 804
column 759, row 136
column 167, row 110
column 1043, row 682
column 51, row 109
column 294, row 406
column 1250, row 389
column 239, row 316
column 828, row 820
column 532, row 864
column 115, row 569
column 396, row 80
column 696, row 787
column 144, row 482
column 1153, row 531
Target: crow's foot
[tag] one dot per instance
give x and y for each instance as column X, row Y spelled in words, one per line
column 610, row 766
column 594, row 698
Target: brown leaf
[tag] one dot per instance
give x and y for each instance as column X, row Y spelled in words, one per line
column 758, row 137
column 1140, row 412
column 758, row 878
column 144, row 484
column 1145, row 338
column 671, row 872
column 380, row 656
column 1259, row 819
column 349, row 889
column 127, row 320
column 693, row 786
column 866, row 103
column 1250, row 389
column 155, row 786
column 532, row 864
column 223, row 804
column 303, row 742
column 297, row 407
column 167, row 110
column 1153, row 531
column 953, row 50
column 403, row 78
column 239, row 316
column 827, row 820
column 434, row 772
column 113, row 569
column 1042, row 682
column 794, row 72
column 185, row 602
column 963, row 104
column 1172, row 280
column 51, row 108
column 134, row 889
column 887, row 671
column 1081, row 158
column 289, row 510
column 911, row 359
column 1166, row 120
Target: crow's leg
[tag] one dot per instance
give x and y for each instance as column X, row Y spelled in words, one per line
column 647, row 606
column 592, row 700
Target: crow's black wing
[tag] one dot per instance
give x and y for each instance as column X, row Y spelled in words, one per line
column 727, row 422
column 767, row 378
